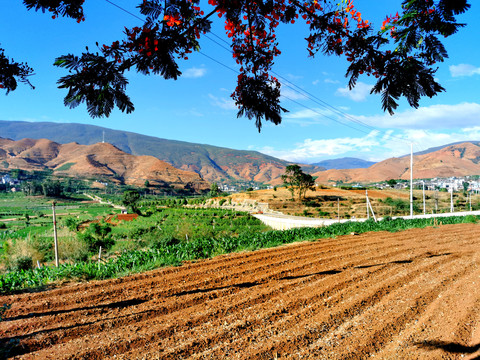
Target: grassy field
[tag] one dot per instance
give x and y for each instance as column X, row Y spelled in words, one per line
column 18, row 205
column 26, row 226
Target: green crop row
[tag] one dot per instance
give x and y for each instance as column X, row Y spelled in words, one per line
column 174, row 252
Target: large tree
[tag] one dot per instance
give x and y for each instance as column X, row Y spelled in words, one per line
column 402, row 54
column 296, row 180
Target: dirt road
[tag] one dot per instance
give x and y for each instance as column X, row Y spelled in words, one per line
column 406, row 295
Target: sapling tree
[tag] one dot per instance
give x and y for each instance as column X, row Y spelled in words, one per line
column 214, row 190
column 130, row 200
column 401, row 54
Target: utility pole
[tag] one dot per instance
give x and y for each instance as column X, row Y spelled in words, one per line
column 423, row 183
column 370, row 208
column 436, row 201
column 338, row 206
column 411, row 180
column 368, row 212
column 451, row 200
column 55, row 234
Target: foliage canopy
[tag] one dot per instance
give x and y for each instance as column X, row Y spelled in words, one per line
column 296, row 180
column 130, row 199
column 401, row 54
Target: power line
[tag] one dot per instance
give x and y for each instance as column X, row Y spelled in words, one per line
column 219, row 62
column 288, row 84
column 125, row 10
column 312, row 97
column 326, row 116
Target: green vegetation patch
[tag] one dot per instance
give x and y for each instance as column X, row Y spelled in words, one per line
column 65, row 167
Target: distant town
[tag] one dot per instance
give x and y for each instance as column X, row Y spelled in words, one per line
column 466, row 183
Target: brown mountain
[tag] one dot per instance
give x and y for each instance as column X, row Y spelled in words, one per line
column 454, row 160
column 213, row 163
column 100, row 160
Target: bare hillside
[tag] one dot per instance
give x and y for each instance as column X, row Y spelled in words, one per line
column 101, row 160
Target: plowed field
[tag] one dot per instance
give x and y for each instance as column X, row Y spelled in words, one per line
column 407, row 295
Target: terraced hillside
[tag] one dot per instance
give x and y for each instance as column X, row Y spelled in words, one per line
column 406, row 295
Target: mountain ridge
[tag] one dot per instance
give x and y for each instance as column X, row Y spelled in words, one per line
column 460, row 159
column 100, row 161
column 213, row 163
column 344, row 163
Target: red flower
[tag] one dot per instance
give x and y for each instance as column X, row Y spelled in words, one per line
column 172, row 20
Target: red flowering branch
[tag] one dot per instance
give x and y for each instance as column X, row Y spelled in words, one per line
column 400, row 55
column 67, row 8
column 12, row 72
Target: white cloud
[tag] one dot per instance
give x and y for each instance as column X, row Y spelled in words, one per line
column 375, row 146
column 294, row 77
column 305, row 117
column 223, row 103
column 358, row 93
column 290, row 94
column 189, row 112
column 194, row 72
column 313, row 149
column 330, row 81
column 303, row 114
column 464, row 70
column 431, row 117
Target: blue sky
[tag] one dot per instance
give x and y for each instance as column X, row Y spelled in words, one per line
column 197, row 107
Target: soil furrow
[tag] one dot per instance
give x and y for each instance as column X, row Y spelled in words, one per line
column 303, row 305
column 397, row 314
column 267, row 303
column 306, row 264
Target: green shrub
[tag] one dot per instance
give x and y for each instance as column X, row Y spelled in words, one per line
column 72, row 248
column 471, row 219
column 96, row 235
column 71, row 223
column 312, row 203
column 20, row 263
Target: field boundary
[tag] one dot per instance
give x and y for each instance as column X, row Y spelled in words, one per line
column 285, row 222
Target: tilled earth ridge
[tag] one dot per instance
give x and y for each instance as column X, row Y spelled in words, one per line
column 408, row 295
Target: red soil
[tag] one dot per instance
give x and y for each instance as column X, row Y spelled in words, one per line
column 407, row 295
column 121, row 217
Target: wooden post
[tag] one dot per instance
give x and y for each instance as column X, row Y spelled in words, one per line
column 368, row 212
column 371, row 209
column 338, row 203
column 451, row 201
column 424, row 210
column 411, row 181
column 55, row 234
